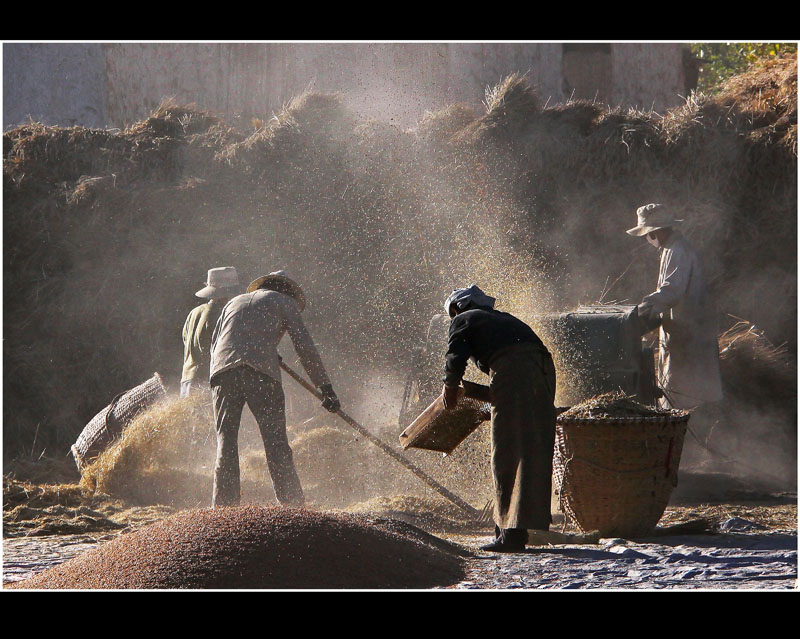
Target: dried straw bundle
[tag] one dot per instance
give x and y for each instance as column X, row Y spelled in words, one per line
column 430, row 513
column 438, row 127
column 755, row 371
column 765, row 95
column 309, row 119
column 156, row 454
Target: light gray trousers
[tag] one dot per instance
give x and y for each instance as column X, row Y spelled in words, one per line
column 231, row 389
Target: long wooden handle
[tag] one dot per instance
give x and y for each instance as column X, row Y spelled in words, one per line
column 474, row 513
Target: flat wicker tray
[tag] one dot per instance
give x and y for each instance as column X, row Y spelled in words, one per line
column 441, row 430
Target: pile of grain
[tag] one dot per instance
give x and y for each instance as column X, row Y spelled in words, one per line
column 613, row 405
column 259, row 548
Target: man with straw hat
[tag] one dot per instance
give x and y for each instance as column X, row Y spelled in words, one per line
column 688, row 355
column 522, row 387
column 245, row 368
column 221, row 285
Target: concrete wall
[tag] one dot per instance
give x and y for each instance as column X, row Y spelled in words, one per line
column 61, row 84
column 118, row 83
column 648, row 76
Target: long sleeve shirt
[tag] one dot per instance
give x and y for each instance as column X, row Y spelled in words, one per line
column 251, row 327
column 479, row 335
column 688, row 354
column 197, row 331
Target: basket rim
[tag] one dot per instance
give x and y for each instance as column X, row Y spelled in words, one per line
column 652, row 419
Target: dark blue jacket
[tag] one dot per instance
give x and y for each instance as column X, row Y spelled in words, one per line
column 479, row 334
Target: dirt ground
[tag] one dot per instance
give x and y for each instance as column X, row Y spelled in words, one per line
column 746, row 544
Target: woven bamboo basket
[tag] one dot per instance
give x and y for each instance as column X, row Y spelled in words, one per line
column 109, row 423
column 616, row 475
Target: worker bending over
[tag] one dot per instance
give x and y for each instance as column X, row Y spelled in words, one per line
column 522, row 389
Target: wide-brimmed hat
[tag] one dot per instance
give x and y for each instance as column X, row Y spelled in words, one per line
column 652, row 217
column 279, row 281
column 221, row 282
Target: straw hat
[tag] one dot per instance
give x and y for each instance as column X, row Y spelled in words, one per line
column 222, row 282
column 652, row 217
column 279, row 281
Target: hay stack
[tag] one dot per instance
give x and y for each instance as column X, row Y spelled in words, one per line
column 429, row 513
column 255, row 547
column 439, row 127
column 308, row 123
column 333, row 465
column 511, row 106
column 765, row 100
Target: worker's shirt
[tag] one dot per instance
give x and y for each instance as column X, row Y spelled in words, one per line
column 479, row 335
column 197, row 331
column 251, row 327
column 688, row 349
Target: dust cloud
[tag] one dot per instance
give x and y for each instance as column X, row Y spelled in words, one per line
column 378, row 221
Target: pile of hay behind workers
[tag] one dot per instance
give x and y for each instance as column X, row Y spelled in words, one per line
column 256, row 547
column 109, row 231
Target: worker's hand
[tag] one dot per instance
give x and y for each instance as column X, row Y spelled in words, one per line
column 450, row 396
column 648, row 319
column 329, row 400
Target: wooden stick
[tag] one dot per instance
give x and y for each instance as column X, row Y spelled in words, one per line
column 474, row 513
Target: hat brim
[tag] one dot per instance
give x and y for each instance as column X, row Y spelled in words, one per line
column 638, row 231
column 281, row 284
column 218, row 291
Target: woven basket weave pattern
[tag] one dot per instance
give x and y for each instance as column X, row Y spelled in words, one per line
column 616, row 475
column 452, row 427
column 109, row 423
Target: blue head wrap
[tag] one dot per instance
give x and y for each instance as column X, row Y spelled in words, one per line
column 462, row 297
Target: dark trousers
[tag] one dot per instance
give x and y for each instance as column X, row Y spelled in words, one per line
column 231, row 390
column 522, row 386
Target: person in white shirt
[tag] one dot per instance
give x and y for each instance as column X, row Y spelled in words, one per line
column 688, row 359
column 245, row 368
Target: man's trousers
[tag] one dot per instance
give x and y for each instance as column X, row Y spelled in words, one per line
column 231, row 389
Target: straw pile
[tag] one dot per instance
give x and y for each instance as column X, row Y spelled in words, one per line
column 333, row 466
column 256, row 547
column 33, row 508
column 159, row 457
column 753, row 369
column 758, row 419
column 430, row 513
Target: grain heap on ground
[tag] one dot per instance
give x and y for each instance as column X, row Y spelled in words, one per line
column 256, row 547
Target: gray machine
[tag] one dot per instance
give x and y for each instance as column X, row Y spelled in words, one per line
column 600, row 349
